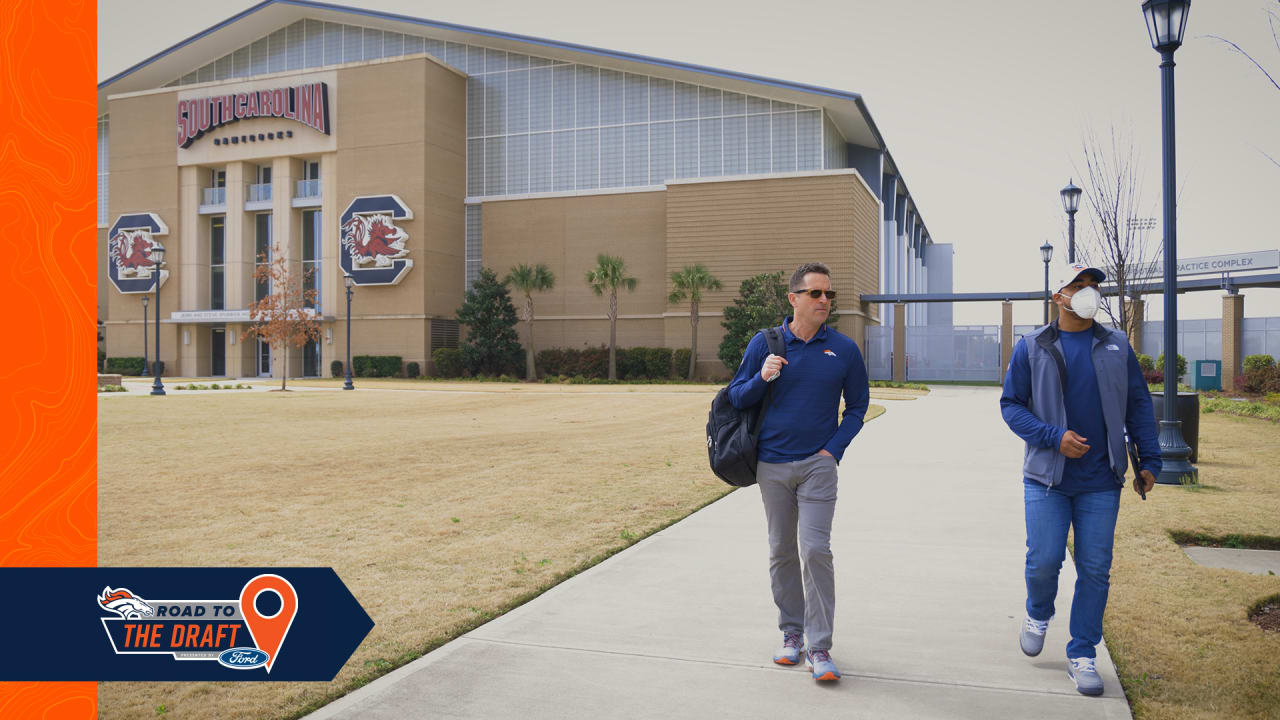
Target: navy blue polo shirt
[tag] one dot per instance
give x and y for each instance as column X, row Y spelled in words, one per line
column 1092, row 471
column 801, row 419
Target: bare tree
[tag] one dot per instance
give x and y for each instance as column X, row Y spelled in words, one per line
column 1273, row 21
column 286, row 314
column 1113, row 200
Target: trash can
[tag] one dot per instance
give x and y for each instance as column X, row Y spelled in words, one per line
column 1188, row 413
column 1208, row 375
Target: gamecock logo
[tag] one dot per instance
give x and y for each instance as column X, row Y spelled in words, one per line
column 131, row 247
column 373, row 239
column 131, row 251
column 373, row 247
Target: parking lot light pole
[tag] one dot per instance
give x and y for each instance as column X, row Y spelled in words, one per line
column 145, row 328
column 349, row 282
column 1046, row 254
column 1071, row 203
column 157, row 252
column 1166, row 23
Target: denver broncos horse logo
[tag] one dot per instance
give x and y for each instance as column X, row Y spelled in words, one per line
column 373, row 239
column 131, row 250
column 124, row 602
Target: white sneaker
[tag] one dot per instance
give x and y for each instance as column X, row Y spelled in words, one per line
column 1032, row 636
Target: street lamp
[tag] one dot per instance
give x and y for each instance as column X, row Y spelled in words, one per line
column 1046, row 254
column 157, row 252
column 1070, row 203
column 1166, row 22
column 349, row 282
column 145, row 327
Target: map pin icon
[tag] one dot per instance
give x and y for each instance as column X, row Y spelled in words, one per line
column 268, row 631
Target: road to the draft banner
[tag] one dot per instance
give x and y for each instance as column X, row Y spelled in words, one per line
column 251, row 624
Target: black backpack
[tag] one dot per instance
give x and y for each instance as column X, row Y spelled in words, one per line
column 732, row 433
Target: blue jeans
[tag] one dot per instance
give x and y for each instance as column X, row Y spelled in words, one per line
column 1093, row 516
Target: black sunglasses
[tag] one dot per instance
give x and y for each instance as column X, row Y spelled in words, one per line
column 815, row 293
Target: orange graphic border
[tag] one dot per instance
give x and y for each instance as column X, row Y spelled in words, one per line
column 48, row 291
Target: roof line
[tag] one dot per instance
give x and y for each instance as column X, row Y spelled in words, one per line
column 138, row 66
column 670, row 64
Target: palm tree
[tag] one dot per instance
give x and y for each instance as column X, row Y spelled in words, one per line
column 689, row 283
column 610, row 273
column 529, row 280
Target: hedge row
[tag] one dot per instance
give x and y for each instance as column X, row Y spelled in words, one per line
column 638, row 363
column 377, row 365
column 130, row 366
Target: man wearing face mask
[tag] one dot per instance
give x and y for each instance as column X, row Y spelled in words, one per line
column 1074, row 388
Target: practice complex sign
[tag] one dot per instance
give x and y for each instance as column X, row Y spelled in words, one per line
column 1210, row 264
column 307, row 104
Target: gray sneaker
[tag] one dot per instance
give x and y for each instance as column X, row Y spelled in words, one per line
column 1082, row 670
column 789, row 653
column 1032, row 636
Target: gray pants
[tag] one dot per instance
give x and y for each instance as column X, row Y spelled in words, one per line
column 799, row 502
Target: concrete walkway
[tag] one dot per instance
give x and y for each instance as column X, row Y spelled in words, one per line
column 929, row 546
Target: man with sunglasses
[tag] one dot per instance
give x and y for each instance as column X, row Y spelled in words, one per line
column 800, row 445
column 1073, row 389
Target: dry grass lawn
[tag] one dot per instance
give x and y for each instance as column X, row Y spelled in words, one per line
column 439, row 510
column 1179, row 632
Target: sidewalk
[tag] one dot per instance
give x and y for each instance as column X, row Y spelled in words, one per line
column 928, row 543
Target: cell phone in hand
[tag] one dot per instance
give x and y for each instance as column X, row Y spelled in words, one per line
column 1139, row 483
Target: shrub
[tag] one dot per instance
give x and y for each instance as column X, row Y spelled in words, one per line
column 1261, row 380
column 1181, row 363
column 448, row 362
column 657, row 363
column 102, row 355
column 125, row 365
column 1146, row 363
column 112, row 388
column 412, row 370
column 1253, row 363
column 594, row 362
column 1153, row 377
column 630, row 363
column 336, row 370
column 377, row 365
column 552, row 361
column 680, row 363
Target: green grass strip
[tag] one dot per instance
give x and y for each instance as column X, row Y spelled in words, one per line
column 1231, row 540
column 1241, row 408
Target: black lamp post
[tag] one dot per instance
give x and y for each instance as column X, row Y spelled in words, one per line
column 1166, row 22
column 349, row 282
column 145, row 327
column 157, row 252
column 1046, row 254
column 1071, row 202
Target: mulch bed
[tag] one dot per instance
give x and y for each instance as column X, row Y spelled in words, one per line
column 1267, row 617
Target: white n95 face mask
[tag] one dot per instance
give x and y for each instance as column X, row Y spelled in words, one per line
column 1085, row 302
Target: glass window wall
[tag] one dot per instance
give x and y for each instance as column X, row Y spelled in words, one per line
column 611, row 128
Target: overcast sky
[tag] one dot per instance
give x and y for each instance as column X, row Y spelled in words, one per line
column 983, row 104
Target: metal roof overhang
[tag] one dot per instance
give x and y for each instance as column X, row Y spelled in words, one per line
column 1229, row 284
column 846, row 109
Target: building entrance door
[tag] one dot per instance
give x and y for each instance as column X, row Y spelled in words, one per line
column 264, row 358
column 311, row 359
column 218, row 348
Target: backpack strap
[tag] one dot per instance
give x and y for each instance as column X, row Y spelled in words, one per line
column 773, row 337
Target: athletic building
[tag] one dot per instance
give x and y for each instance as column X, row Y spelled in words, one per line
column 409, row 153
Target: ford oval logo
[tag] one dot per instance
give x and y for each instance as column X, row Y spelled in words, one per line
column 242, row 658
